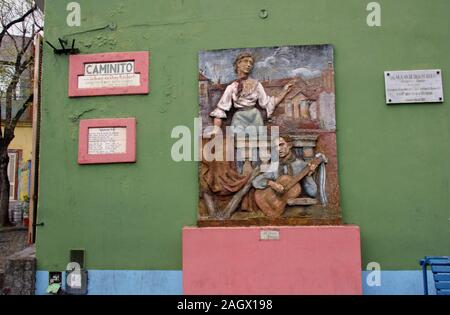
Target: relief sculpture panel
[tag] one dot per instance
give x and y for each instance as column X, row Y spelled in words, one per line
column 268, row 137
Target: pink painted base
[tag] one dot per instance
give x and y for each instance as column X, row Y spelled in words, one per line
column 304, row 260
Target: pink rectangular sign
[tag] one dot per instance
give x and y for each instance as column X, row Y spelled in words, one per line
column 107, row 141
column 109, row 74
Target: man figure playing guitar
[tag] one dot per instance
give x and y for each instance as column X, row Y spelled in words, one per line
column 290, row 165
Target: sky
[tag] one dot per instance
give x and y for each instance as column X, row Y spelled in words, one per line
column 20, row 7
column 271, row 62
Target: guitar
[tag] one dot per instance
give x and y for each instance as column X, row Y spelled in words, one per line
column 272, row 203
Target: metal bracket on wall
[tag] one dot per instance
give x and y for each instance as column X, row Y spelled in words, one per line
column 64, row 50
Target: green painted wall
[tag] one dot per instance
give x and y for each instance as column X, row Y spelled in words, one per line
column 394, row 160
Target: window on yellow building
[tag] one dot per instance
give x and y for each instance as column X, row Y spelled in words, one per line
column 13, row 173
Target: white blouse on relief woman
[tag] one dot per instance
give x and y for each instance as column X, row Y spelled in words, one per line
column 252, row 93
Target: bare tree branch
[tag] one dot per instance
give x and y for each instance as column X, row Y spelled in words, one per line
column 31, row 39
column 19, row 69
column 14, row 41
column 22, row 110
column 7, row 63
column 13, row 22
column 26, row 64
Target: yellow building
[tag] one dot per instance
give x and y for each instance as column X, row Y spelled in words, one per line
column 20, row 151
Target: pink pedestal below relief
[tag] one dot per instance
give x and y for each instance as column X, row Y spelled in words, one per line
column 304, row 260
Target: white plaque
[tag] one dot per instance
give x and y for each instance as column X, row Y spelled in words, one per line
column 107, row 140
column 109, row 75
column 269, row 235
column 415, row 86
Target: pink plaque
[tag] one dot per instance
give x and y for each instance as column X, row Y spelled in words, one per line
column 107, row 141
column 109, row 74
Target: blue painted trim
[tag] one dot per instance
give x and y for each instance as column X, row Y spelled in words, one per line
column 160, row 282
column 125, row 282
column 402, row 282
